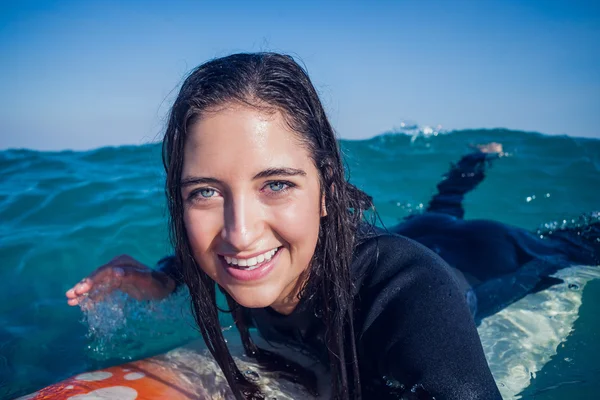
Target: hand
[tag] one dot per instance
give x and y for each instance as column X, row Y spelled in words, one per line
column 126, row 274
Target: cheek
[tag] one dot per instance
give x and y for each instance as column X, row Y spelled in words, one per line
column 298, row 224
column 201, row 229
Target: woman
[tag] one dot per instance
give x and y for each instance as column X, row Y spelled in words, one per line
column 260, row 206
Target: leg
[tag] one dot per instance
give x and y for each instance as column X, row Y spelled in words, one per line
column 461, row 179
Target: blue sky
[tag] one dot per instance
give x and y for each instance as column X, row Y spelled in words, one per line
column 83, row 74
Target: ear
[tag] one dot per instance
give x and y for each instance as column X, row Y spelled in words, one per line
column 323, row 206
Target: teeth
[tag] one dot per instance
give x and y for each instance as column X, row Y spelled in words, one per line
column 251, row 262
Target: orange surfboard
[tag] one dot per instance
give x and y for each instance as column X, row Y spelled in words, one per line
column 185, row 373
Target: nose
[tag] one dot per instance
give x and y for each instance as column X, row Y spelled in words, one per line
column 243, row 223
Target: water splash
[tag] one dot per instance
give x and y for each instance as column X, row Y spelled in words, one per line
column 120, row 327
column 580, row 223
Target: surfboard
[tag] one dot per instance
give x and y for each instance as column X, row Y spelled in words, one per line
column 145, row 379
column 185, row 373
column 521, row 339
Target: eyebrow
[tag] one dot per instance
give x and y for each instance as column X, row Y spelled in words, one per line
column 193, row 180
column 267, row 173
column 279, row 172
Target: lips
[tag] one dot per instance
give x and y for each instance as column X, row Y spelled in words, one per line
column 254, row 272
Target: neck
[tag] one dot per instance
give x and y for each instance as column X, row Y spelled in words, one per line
column 285, row 308
column 288, row 302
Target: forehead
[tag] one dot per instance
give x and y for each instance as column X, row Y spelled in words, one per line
column 238, row 139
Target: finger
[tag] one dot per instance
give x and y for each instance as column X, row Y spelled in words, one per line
column 71, row 293
column 83, row 287
column 73, row 302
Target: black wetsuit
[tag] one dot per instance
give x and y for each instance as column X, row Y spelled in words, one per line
column 500, row 262
column 412, row 325
column 485, row 249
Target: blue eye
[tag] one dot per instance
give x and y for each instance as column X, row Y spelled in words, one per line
column 207, row 193
column 277, row 186
column 203, row 195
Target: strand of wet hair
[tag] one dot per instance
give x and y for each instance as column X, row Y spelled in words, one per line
column 268, row 360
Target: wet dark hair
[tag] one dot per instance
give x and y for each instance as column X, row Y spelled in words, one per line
column 274, row 83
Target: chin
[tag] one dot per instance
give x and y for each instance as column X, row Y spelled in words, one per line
column 253, row 299
column 254, row 302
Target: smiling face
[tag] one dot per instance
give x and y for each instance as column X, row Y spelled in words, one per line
column 252, row 205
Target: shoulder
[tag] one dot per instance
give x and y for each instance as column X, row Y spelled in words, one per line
column 382, row 256
column 413, row 322
column 394, row 271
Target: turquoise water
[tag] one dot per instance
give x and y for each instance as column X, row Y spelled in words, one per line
column 65, row 213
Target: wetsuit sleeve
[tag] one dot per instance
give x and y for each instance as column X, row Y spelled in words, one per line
column 463, row 177
column 170, row 267
column 418, row 329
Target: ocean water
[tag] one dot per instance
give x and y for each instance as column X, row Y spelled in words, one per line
column 62, row 214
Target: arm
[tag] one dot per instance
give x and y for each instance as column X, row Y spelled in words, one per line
column 130, row 276
column 418, row 328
